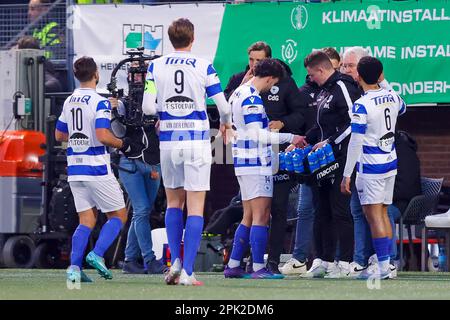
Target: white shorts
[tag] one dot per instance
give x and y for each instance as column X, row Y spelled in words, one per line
column 105, row 195
column 375, row 191
column 254, row 186
column 186, row 168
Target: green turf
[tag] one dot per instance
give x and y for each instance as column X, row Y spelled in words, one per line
column 51, row 284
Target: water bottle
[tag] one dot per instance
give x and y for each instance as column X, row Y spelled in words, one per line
column 322, row 158
column 313, row 162
column 442, row 259
column 298, row 163
column 329, row 153
column 299, row 152
column 288, row 161
column 282, row 159
column 307, row 150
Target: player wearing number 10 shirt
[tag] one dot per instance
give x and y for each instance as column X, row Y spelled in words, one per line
column 85, row 124
column 176, row 88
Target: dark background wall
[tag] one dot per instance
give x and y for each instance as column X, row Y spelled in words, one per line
column 430, row 126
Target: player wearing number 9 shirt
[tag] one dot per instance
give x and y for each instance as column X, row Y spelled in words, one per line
column 176, row 88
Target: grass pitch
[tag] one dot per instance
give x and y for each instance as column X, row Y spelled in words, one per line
column 51, row 284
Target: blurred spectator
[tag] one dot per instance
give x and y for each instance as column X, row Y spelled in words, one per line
column 45, row 27
column 37, row 8
column 52, row 84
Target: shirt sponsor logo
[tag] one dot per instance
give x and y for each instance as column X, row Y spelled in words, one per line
column 385, row 143
column 79, row 142
column 179, row 106
column 177, row 60
column 80, row 99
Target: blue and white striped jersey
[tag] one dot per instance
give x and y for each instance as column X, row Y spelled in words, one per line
column 181, row 82
column 83, row 112
column 374, row 115
column 252, row 149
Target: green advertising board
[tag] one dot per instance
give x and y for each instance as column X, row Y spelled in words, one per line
column 411, row 38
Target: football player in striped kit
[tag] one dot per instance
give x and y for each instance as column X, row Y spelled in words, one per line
column 85, row 124
column 176, row 88
column 372, row 150
column 252, row 155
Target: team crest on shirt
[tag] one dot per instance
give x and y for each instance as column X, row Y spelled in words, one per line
column 79, row 142
column 274, row 90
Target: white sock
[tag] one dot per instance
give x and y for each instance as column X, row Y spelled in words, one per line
column 257, row 266
column 233, row 263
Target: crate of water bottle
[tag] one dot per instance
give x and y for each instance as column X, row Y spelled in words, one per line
column 292, row 161
column 304, row 163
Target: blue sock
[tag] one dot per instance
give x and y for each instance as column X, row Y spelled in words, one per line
column 80, row 239
column 174, row 228
column 240, row 243
column 382, row 248
column 108, row 234
column 192, row 238
column 258, row 242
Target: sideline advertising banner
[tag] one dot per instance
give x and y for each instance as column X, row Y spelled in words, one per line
column 410, row 37
column 106, row 32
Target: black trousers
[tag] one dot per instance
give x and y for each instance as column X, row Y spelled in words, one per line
column 281, row 189
column 333, row 224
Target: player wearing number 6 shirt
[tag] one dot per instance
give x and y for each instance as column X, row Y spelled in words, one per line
column 372, row 150
column 176, row 87
column 85, row 124
column 252, row 154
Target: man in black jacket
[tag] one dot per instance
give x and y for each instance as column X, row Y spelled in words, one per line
column 333, row 221
column 283, row 105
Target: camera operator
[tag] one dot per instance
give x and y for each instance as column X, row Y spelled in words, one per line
column 140, row 173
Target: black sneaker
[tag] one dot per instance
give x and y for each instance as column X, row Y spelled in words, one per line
column 272, row 266
column 156, row 267
column 133, row 267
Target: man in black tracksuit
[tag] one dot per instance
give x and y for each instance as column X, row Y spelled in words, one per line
column 333, row 223
column 283, row 106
